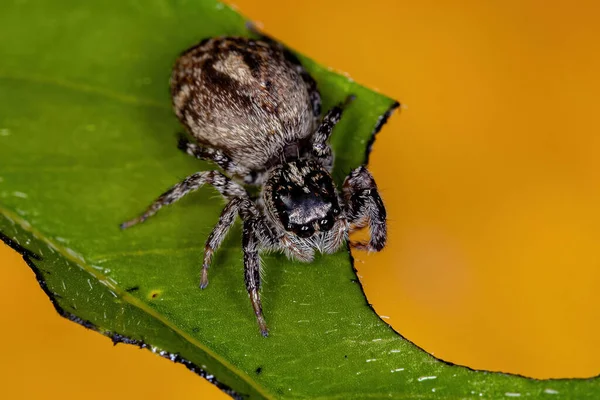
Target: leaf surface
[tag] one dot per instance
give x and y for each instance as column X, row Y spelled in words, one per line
column 87, row 140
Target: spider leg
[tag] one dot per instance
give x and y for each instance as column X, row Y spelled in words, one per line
column 364, row 205
column 228, row 188
column 256, row 234
column 255, row 177
column 210, row 154
column 217, row 235
column 320, row 146
column 250, row 245
column 238, row 205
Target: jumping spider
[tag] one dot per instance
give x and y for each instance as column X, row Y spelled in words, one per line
column 255, row 112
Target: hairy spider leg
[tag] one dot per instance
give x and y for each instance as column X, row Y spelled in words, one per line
column 217, row 235
column 221, row 159
column 228, row 188
column 320, row 146
column 250, row 246
column 364, row 206
column 238, row 205
column 257, row 234
column 209, row 154
column 256, row 229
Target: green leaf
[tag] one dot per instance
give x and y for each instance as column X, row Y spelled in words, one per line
column 87, row 141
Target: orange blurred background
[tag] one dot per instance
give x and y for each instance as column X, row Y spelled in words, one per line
column 490, row 174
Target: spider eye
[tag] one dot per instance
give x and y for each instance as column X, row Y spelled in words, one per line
column 304, row 231
column 326, row 224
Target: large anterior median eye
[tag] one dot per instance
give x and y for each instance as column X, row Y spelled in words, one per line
column 304, row 231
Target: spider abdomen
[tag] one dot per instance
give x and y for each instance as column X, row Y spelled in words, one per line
column 244, row 97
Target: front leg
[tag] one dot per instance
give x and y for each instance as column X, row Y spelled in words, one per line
column 320, row 146
column 364, row 206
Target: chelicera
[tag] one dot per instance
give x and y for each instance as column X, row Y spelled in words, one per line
column 253, row 110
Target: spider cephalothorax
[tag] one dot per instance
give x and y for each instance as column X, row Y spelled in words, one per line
column 300, row 197
column 255, row 112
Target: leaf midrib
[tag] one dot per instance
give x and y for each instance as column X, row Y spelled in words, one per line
column 125, row 296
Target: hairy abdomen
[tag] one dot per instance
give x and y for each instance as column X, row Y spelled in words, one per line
column 241, row 96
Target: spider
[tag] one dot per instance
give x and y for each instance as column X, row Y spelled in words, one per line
column 253, row 110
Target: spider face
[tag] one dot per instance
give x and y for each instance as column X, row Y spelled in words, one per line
column 302, row 197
